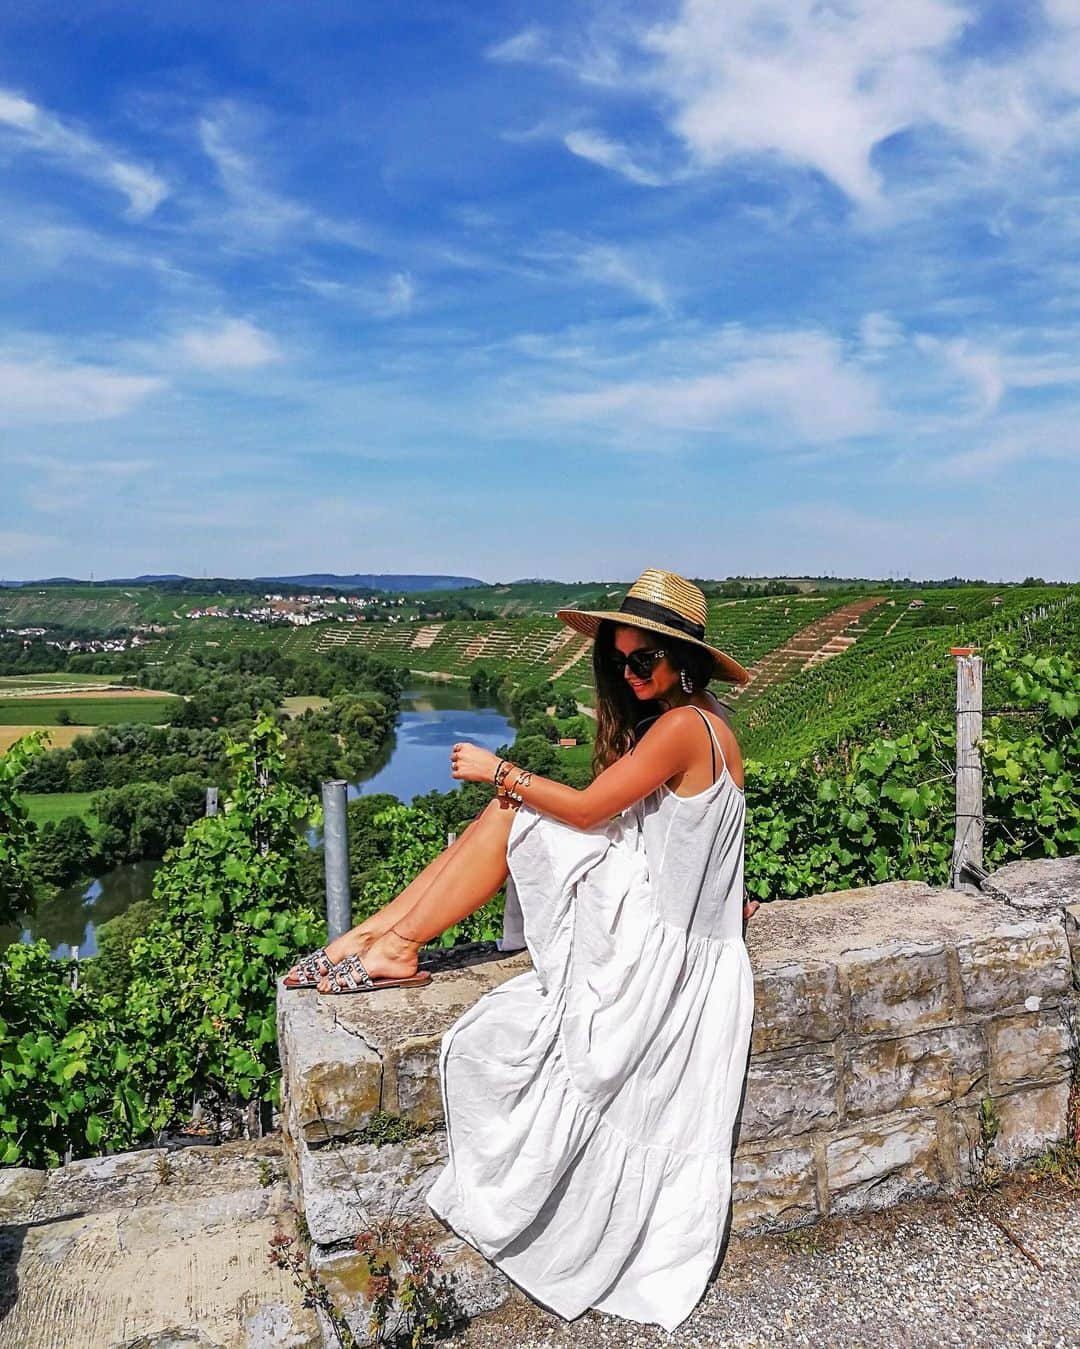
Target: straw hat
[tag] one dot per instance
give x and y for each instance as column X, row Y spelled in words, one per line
column 661, row 601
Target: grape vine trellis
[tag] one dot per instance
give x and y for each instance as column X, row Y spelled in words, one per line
column 889, row 813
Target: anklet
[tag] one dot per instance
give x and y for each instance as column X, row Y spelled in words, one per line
column 403, row 936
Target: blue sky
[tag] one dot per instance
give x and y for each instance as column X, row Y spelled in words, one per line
column 728, row 287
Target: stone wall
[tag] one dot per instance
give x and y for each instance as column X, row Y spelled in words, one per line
column 884, row 1018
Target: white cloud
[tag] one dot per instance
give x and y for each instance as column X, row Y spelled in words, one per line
column 229, row 134
column 609, row 154
column 528, row 45
column 878, row 332
column 979, row 367
column 823, row 87
column 44, row 392
column 790, row 388
column 615, row 267
column 235, row 344
column 392, row 298
column 38, row 130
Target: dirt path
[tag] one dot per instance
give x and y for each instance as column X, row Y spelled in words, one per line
column 918, row 1275
column 820, row 640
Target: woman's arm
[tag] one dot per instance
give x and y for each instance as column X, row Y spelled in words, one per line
column 665, row 751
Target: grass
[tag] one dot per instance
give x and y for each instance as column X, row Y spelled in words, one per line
column 97, row 711
column 47, row 809
column 301, row 703
column 59, row 737
column 47, row 683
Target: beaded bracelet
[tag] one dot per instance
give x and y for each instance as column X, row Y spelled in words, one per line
column 522, row 780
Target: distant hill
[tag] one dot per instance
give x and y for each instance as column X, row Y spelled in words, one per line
column 375, row 581
column 369, row 581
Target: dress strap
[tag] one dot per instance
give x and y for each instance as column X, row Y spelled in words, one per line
column 715, row 743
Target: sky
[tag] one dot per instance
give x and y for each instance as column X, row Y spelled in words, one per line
column 728, row 287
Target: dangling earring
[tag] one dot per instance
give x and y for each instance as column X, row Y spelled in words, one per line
column 686, row 682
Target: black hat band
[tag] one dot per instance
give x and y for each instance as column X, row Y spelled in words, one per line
column 660, row 613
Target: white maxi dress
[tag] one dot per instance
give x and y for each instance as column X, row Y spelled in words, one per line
column 590, row 1101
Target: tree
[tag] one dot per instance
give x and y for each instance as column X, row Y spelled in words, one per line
column 538, row 725
column 63, row 851
column 17, row 831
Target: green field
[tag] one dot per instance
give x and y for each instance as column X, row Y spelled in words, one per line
column 13, row 685
column 99, row 711
column 58, row 806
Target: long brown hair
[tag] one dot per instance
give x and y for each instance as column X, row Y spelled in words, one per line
column 621, row 718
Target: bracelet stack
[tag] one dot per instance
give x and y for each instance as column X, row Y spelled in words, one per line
column 502, row 771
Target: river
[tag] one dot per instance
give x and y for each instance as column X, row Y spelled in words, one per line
column 415, row 760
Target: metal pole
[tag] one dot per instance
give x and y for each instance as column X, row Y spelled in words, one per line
column 336, row 855
column 451, row 837
column 967, row 860
column 211, row 801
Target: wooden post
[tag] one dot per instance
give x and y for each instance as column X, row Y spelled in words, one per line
column 967, row 860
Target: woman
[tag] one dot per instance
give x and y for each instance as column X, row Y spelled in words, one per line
column 590, row 1101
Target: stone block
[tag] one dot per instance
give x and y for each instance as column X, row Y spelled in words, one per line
column 474, row 1285
column 796, row 1004
column 1029, row 1047
column 343, row 1187
column 876, row 1166
column 1022, row 960
column 19, row 1189
column 1037, row 883
column 773, row 1190
column 1030, row 1121
column 899, row 989
column 411, row 1080
column 788, row 1096
column 331, row 1078
column 880, row 1076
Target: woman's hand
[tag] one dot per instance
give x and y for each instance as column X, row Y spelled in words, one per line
column 471, row 763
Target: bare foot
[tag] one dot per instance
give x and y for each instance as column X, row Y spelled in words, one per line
column 387, row 957
column 750, row 908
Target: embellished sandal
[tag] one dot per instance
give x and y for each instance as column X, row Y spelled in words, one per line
column 350, row 976
column 310, row 969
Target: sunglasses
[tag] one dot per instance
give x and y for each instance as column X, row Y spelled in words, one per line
column 641, row 661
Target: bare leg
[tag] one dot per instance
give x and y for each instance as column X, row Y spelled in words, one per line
column 471, row 876
column 357, row 940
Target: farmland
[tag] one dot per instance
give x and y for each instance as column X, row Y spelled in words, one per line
column 95, row 709
column 67, row 705
column 824, row 662
column 898, row 670
column 57, row 737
